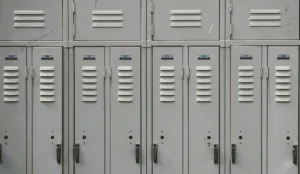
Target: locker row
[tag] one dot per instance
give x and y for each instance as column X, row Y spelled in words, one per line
column 107, row 100
column 119, row 20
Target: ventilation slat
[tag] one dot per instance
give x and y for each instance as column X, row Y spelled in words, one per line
column 167, row 84
column 107, row 19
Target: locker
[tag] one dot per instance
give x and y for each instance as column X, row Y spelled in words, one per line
column 186, row 20
column 167, row 110
column 283, row 109
column 31, row 20
column 246, row 109
column 125, row 110
column 13, row 110
column 107, row 20
column 47, row 110
column 204, row 110
column 89, row 110
column 265, row 19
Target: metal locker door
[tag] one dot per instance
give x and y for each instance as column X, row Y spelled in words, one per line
column 167, row 110
column 89, row 110
column 125, row 110
column 47, row 110
column 13, row 110
column 265, row 19
column 246, row 109
column 31, row 20
column 204, row 110
column 186, row 20
column 283, row 109
column 108, row 20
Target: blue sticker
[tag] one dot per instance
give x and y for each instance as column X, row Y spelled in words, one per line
column 11, row 57
column 89, row 57
column 47, row 57
column 283, row 56
column 203, row 56
column 246, row 56
column 167, row 57
column 125, row 57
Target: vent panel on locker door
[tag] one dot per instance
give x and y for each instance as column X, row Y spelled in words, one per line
column 47, row 110
column 204, row 105
column 125, row 110
column 246, row 109
column 283, row 109
column 89, row 109
column 167, row 110
column 13, row 110
column 108, row 20
column 186, row 20
column 265, row 19
column 31, row 20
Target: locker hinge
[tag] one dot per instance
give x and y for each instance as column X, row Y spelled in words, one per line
column 152, row 30
column 231, row 7
column 182, row 72
column 32, row 72
column 230, row 29
column 188, row 72
column 152, row 7
column 261, row 72
column 104, row 73
column 74, row 31
column 26, row 72
column 74, row 20
column 73, row 7
column 110, row 72
column 267, row 73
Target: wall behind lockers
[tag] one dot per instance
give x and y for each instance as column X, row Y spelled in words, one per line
column 149, row 86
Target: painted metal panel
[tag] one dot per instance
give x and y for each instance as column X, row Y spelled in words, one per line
column 89, row 110
column 31, row 20
column 108, row 20
column 246, row 109
column 167, row 110
column 125, row 110
column 204, row 105
column 13, row 110
column 186, row 20
column 47, row 110
column 283, row 109
column 265, row 19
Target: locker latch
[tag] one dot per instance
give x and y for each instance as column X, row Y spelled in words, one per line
column 295, row 152
column 233, row 153
column 58, row 153
column 154, row 151
column 76, row 152
column 0, row 153
column 216, row 154
column 137, row 153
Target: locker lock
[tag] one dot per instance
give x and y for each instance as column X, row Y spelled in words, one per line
column 295, row 154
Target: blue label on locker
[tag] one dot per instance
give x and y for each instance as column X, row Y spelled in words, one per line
column 47, row 57
column 125, row 57
column 167, row 57
column 246, row 56
column 11, row 57
column 89, row 57
column 203, row 56
column 283, row 56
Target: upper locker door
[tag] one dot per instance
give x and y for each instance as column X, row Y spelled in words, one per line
column 283, row 109
column 265, row 19
column 245, row 110
column 47, row 110
column 108, row 19
column 204, row 110
column 125, row 110
column 89, row 110
column 186, row 19
column 31, row 20
column 13, row 110
column 167, row 110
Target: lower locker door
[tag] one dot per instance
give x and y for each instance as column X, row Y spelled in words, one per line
column 167, row 110
column 47, row 110
column 246, row 110
column 283, row 109
column 89, row 110
column 125, row 116
column 204, row 110
column 13, row 110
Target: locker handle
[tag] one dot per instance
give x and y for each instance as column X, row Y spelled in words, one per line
column 216, row 154
column 0, row 153
column 137, row 153
column 155, row 149
column 233, row 153
column 295, row 154
column 77, row 152
column 58, row 153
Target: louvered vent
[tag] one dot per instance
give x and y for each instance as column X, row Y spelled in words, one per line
column 89, row 83
column 246, row 84
column 204, row 86
column 283, row 84
column 47, row 84
column 185, row 18
column 107, row 19
column 265, row 18
column 167, row 84
column 11, row 84
column 29, row 19
column 125, row 80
